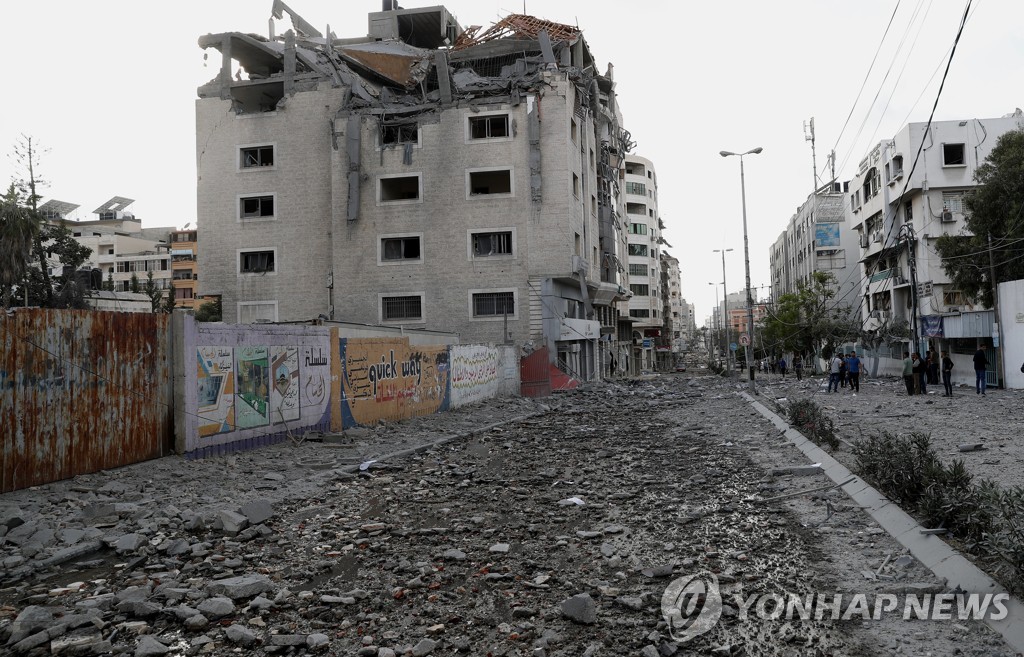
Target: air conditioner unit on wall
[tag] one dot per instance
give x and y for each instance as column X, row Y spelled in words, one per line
column 947, row 216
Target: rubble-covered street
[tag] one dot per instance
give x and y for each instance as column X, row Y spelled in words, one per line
column 553, row 532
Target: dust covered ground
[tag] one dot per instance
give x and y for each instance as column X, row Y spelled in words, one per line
column 555, row 532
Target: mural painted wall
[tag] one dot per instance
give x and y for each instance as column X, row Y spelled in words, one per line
column 477, row 373
column 386, row 379
column 252, row 384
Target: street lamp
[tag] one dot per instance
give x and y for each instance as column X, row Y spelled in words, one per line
column 746, row 262
column 725, row 316
column 715, row 316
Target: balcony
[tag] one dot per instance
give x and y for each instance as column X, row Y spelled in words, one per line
column 892, row 272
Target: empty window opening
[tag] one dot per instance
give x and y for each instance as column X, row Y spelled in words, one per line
column 490, row 182
column 490, row 244
column 953, row 155
column 403, row 188
column 488, row 127
column 636, row 208
column 575, row 185
column 257, row 156
column 257, row 206
column 490, row 304
column 396, row 308
column 634, row 169
column 400, row 248
column 392, row 135
column 256, row 262
column 640, row 290
column 573, row 130
column 639, row 313
column 638, row 249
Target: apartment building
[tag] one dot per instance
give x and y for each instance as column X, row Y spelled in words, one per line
column 908, row 191
column 121, row 247
column 646, row 307
column 184, row 245
column 424, row 176
column 818, row 238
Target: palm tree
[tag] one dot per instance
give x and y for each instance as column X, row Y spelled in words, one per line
column 19, row 227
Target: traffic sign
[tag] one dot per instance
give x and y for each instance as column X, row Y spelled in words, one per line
column 733, row 346
column 744, row 340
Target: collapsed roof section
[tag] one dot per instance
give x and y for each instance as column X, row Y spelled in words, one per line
column 412, row 59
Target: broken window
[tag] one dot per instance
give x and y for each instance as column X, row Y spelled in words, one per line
column 256, row 206
column 488, row 127
column 953, row 155
column 400, row 248
column 393, row 135
column 637, row 249
column 490, row 304
column 639, row 313
column 636, row 208
column 399, row 308
column 640, row 289
column 634, row 169
column 490, row 182
column 255, row 262
column 491, row 244
column 257, row 156
column 399, row 188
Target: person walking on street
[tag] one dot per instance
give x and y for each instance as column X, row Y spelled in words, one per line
column 834, row 365
column 798, row 366
column 853, row 372
column 919, row 373
column 842, row 369
column 782, row 366
column 933, row 369
column 908, row 372
column 980, row 363
column 947, row 373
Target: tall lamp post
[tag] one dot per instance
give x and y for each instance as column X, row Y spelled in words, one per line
column 715, row 315
column 746, row 261
column 725, row 316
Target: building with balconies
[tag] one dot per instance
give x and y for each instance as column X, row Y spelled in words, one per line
column 908, row 192
column 184, row 246
column 646, row 306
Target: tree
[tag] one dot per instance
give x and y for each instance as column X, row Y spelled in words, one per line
column 19, row 228
column 156, row 297
column 209, row 311
column 994, row 224
column 807, row 321
column 26, row 155
column 169, row 300
column 109, row 284
column 893, row 330
column 134, row 285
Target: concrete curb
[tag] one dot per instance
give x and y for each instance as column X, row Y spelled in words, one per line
column 931, row 551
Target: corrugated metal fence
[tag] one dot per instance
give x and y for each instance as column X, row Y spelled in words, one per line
column 81, row 391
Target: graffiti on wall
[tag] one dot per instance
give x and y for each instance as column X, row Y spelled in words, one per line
column 216, row 390
column 284, row 393
column 252, row 375
column 386, row 379
column 314, row 383
column 475, row 373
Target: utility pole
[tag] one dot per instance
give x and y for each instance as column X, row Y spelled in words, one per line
column 995, row 310
column 907, row 232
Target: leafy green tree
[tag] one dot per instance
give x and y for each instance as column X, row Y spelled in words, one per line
column 209, row 311
column 19, row 227
column 994, row 224
column 808, row 321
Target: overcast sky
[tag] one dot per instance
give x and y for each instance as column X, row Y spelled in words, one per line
column 109, row 88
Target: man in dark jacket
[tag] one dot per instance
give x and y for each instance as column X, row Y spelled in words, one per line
column 980, row 363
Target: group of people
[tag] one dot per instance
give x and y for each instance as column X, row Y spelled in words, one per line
column 843, row 369
column 919, row 373
column 781, row 366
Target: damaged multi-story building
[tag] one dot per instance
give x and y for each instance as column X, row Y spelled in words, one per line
column 424, row 175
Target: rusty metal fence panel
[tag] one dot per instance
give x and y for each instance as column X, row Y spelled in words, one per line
column 535, row 374
column 81, row 391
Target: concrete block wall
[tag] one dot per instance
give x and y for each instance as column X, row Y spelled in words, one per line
column 300, row 179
